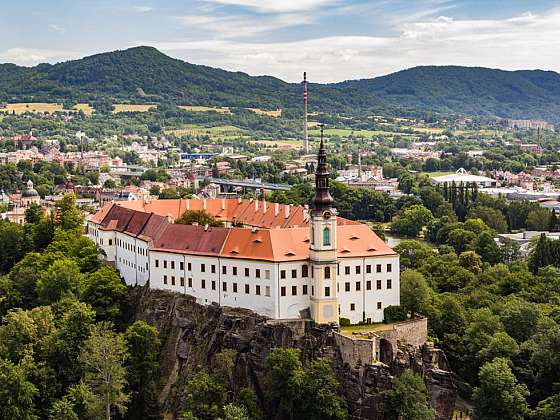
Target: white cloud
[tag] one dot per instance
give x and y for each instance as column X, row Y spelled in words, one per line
column 270, row 6
column 57, row 28
column 33, row 56
column 525, row 41
column 142, row 9
column 235, row 26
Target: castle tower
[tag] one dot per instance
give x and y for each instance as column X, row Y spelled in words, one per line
column 322, row 246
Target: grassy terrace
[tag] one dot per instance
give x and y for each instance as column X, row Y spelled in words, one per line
column 350, row 330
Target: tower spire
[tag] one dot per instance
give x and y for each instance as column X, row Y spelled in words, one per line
column 322, row 199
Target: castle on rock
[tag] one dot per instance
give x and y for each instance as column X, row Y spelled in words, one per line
column 284, row 261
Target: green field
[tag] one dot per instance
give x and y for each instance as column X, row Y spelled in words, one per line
column 221, row 131
column 347, row 132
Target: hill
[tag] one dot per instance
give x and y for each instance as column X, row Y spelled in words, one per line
column 468, row 90
column 143, row 74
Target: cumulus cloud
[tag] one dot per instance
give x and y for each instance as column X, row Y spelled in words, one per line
column 524, row 41
column 32, row 56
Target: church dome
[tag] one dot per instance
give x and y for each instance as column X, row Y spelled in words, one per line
column 30, row 191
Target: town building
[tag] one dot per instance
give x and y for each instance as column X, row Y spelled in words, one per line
column 279, row 260
column 466, row 178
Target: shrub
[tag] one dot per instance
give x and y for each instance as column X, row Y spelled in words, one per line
column 394, row 313
column 344, row 322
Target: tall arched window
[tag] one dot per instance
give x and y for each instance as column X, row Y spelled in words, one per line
column 326, row 236
column 327, row 272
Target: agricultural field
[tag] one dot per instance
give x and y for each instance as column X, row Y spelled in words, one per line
column 280, row 144
column 43, row 108
column 199, row 108
column 223, row 131
column 275, row 114
column 347, row 132
column 118, row 108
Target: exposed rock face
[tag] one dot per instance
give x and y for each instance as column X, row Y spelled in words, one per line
column 193, row 334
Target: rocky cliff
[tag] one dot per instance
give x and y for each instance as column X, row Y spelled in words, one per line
column 193, row 334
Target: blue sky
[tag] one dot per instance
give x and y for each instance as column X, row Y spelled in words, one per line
column 332, row 40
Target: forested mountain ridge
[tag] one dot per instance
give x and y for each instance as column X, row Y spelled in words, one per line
column 143, row 74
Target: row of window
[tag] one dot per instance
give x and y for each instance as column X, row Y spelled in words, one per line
column 172, row 280
column 283, row 273
column 353, row 306
column 358, row 269
column 358, row 285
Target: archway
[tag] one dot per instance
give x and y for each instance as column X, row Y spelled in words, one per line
column 385, row 351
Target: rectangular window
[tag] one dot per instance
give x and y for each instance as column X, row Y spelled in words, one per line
column 312, row 291
column 164, row 263
column 224, row 269
column 173, row 265
column 378, row 284
column 368, row 269
column 267, row 274
column 352, row 306
column 347, row 286
column 378, row 305
column 294, row 274
column 294, row 290
column 327, row 291
column 304, row 270
column 368, row 285
column 164, row 279
column 213, row 268
column 203, row 268
column 246, row 272
column 347, row 270
column 247, row 289
column 181, row 265
column 389, row 268
column 146, row 266
column 235, row 271
column 203, row 284
column 282, row 274
column 110, row 242
column 258, row 290
column 234, row 287
column 358, row 286
column 378, row 268
column 213, row 284
column 190, row 282
column 258, row 273
column 172, row 280
column 267, row 290
column 182, row 282
column 327, row 272
column 389, row 283
column 189, row 266
column 283, row 291
column 224, row 286
column 304, row 289
column 358, row 269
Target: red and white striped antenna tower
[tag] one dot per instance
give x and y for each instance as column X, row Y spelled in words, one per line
column 305, row 135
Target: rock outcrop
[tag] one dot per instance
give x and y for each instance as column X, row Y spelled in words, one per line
column 193, row 334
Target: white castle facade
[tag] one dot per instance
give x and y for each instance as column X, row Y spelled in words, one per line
column 285, row 262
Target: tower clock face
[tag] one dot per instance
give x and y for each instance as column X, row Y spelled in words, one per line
column 327, row 215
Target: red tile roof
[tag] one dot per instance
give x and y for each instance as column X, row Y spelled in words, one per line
column 272, row 242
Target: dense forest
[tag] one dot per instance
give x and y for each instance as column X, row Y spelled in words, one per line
column 145, row 75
